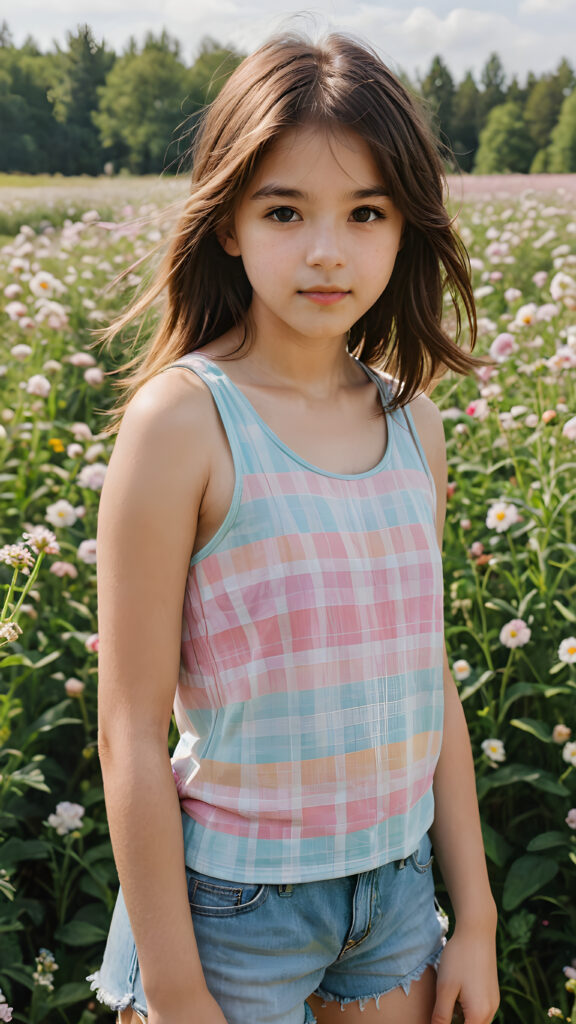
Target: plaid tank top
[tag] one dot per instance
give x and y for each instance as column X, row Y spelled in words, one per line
column 310, row 693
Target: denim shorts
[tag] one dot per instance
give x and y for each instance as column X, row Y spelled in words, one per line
column 265, row 948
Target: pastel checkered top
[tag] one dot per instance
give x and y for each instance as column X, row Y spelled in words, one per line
column 310, row 694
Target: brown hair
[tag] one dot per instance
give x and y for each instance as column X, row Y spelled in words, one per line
column 288, row 82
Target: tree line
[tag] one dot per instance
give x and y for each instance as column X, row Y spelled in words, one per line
column 82, row 108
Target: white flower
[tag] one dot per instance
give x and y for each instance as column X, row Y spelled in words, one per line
column 16, row 310
column 81, row 431
column 512, row 294
column 39, row 385
column 569, row 429
column 567, row 650
column 562, row 286
column 494, row 749
column 52, row 314
column 68, row 817
column 81, row 359
column 45, row 284
column 461, row 669
column 92, row 476
column 94, row 376
column 526, row 314
column 21, row 351
column 94, row 451
column 90, row 217
column 501, row 516
column 564, row 358
column 12, row 291
column 61, row 513
column 87, row 551
column 569, row 753
column 39, row 538
column 515, row 633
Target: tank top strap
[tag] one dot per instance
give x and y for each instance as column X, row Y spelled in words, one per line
column 234, row 411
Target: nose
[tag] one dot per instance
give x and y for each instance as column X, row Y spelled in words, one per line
column 325, row 248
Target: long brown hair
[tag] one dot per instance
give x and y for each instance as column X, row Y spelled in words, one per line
column 287, row 82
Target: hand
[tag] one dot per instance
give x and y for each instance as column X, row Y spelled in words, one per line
column 467, row 975
column 202, row 1010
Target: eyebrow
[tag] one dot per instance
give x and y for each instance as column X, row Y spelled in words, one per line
column 274, row 191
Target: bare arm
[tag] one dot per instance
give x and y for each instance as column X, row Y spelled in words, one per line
column 456, row 832
column 146, row 528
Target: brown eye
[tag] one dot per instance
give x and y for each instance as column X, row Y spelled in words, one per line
column 366, row 214
column 282, row 214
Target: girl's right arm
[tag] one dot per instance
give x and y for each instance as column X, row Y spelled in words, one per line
column 147, row 520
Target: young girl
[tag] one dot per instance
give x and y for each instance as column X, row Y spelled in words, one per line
column 269, row 564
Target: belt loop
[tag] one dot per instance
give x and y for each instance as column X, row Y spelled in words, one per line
column 401, row 863
column 285, row 890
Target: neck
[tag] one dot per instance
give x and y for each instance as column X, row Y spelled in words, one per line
column 277, row 356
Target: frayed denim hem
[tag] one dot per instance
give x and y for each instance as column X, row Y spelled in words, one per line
column 431, row 961
column 111, row 1000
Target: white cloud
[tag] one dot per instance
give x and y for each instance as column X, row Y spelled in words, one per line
column 546, row 6
column 407, row 36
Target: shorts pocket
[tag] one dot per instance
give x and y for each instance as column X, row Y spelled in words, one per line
column 216, row 897
column 422, row 858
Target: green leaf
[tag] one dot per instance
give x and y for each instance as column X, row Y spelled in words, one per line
column 547, row 840
column 516, row 692
column 567, row 613
column 73, row 992
column 534, row 727
column 495, row 604
column 526, row 876
column 497, row 848
column 80, row 933
column 15, row 850
column 512, row 773
column 15, row 659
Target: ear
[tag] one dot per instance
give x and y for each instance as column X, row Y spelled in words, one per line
column 228, row 241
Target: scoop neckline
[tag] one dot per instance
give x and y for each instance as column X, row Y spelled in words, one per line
column 290, row 451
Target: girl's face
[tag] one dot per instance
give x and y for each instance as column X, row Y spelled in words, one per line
column 317, row 234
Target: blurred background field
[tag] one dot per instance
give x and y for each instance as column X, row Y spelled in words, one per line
column 510, row 574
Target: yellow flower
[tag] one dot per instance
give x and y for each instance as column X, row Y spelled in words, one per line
column 56, row 444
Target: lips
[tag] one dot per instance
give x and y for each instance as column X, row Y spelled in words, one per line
column 324, row 290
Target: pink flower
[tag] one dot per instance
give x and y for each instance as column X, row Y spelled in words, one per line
column 92, row 476
column 16, row 310
column 484, row 373
column 87, row 551
column 502, row 347
column 561, row 733
column 569, row 429
column 94, row 376
column 81, row 359
column 64, row 569
column 450, row 489
column 92, row 643
column 476, row 549
column 540, row 278
column 478, row 409
column 570, row 820
column 512, row 294
column 74, row 687
column 515, row 633
column 548, row 415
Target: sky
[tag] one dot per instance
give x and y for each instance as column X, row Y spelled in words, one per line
column 527, row 34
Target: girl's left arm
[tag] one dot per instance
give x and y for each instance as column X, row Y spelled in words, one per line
column 467, row 972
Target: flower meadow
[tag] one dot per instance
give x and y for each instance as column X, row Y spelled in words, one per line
column 510, row 585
